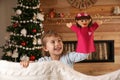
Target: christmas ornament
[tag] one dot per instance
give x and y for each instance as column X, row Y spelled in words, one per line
column 61, row 15
column 24, row 21
column 39, row 41
column 24, row 58
column 38, row 6
column 23, row 43
column 116, row 10
column 34, row 30
column 24, row 32
column 18, row 12
column 40, row 16
column 41, row 25
column 15, row 53
column 15, row 25
column 9, row 53
column 52, row 13
column 35, row 41
column 34, row 17
column 32, row 58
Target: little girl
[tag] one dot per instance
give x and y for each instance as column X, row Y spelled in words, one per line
column 84, row 29
column 52, row 44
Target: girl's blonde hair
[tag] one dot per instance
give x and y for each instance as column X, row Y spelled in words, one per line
column 49, row 34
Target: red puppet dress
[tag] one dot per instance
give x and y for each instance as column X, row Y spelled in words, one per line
column 85, row 37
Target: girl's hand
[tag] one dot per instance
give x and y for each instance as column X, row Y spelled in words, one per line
column 69, row 25
column 24, row 63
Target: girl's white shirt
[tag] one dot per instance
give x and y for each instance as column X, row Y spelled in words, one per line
column 68, row 59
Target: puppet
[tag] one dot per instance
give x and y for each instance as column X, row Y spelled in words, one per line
column 84, row 29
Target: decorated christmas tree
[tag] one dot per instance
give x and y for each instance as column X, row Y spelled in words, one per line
column 25, row 31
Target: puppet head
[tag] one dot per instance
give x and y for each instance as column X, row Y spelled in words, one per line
column 83, row 20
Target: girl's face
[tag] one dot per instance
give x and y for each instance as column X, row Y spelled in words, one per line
column 83, row 22
column 54, row 46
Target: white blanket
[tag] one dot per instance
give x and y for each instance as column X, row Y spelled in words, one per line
column 53, row 70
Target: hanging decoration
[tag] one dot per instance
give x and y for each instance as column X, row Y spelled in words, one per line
column 23, row 43
column 52, row 13
column 18, row 12
column 40, row 16
column 82, row 4
column 24, row 32
column 39, row 41
column 32, row 58
column 15, row 25
column 34, row 30
column 116, row 10
column 15, row 54
column 9, row 53
column 34, row 41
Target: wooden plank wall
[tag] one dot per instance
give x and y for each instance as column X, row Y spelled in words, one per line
column 110, row 30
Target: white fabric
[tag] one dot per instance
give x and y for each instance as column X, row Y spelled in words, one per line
column 53, row 70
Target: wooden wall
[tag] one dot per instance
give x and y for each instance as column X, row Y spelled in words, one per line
column 110, row 30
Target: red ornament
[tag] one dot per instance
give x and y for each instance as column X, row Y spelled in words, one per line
column 34, row 30
column 15, row 25
column 61, row 15
column 52, row 13
column 23, row 43
column 32, row 58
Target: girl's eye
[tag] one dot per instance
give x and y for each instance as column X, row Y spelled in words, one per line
column 82, row 20
column 59, row 40
column 52, row 41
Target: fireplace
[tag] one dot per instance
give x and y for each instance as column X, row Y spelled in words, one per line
column 104, row 50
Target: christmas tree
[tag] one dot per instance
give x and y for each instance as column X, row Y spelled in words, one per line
column 25, row 31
